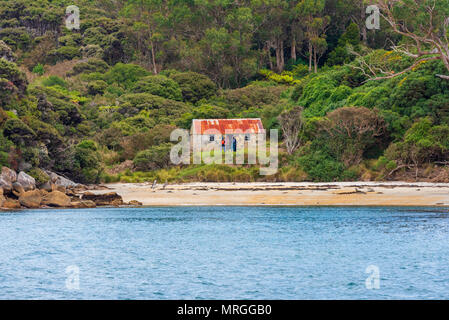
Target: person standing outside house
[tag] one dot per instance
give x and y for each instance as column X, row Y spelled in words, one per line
column 234, row 144
column 223, row 143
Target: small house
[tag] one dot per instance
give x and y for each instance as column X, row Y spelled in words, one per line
column 231, row 133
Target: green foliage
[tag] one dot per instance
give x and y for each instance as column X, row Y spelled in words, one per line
column 159, row 108
column 39, row 175
column 11, row 73
column 132, row 125
column 160, row 86
column 316, row 95
column 54, row 81
column 156, row 157
column 96, row 87
column 350, row 39
column 422, row 143
column 16, row 38
column 6, row 52
column 63, row 53
column 125, row 75
column 4, row 159
column 17, row 131
column 87, row 162
column 45, row 133
column 285, row 77
column 92, row 65
column 71, row 40
column 300, row 71
column 194, row 86
column 39, row 69
column 321, row 167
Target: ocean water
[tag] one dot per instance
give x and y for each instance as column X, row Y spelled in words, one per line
column 225, row 253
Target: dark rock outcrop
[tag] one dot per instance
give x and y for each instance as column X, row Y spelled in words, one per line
column 105, row 199
column 83, row 204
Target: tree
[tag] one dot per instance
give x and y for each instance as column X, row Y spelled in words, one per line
column 350, row 131
column 148, row 17
column 316, row 23
column 273, row 19
column 292, row 124
column 423, row 25
column 86, row 162
column 340, row 54
column 18, row 132
column 422, row 143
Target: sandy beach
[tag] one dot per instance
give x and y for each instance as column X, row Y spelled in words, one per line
column 285, row 194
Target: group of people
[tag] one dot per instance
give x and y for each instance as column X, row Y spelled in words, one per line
column 234, row 144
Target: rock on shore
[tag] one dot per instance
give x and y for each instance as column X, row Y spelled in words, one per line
column 56, row 199
column 106, row 199
column 19, row 190
column 31, row 199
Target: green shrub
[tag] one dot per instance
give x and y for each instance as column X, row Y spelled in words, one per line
column 87, row 162
column 194, row 86
column 39, row 175
column 132, row 125
column 6, row 52
column 160, row 108
column 63, row 53
column 39, row 69
column 51, row 81
column 16, row 38
column 97, row 87
column 320, row 167
column 340, row 54
column 18, row 132
column 125, row 75
column 4, row 159
column 92, row 65
column 44, row 132
column 156, row 157
column 300, row 71
column 10, row 72
column 71, row 40
column 422, row 143
column 391, row 165
column 159, row 86
column 92, row 51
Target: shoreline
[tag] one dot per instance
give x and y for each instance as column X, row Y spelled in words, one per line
column 301, row 194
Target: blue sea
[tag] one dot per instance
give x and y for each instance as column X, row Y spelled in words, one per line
column 225, row 253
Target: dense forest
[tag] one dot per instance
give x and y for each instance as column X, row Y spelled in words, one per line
column 98, row 103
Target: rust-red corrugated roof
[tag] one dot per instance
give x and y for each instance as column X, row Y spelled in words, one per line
column 206, row 126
